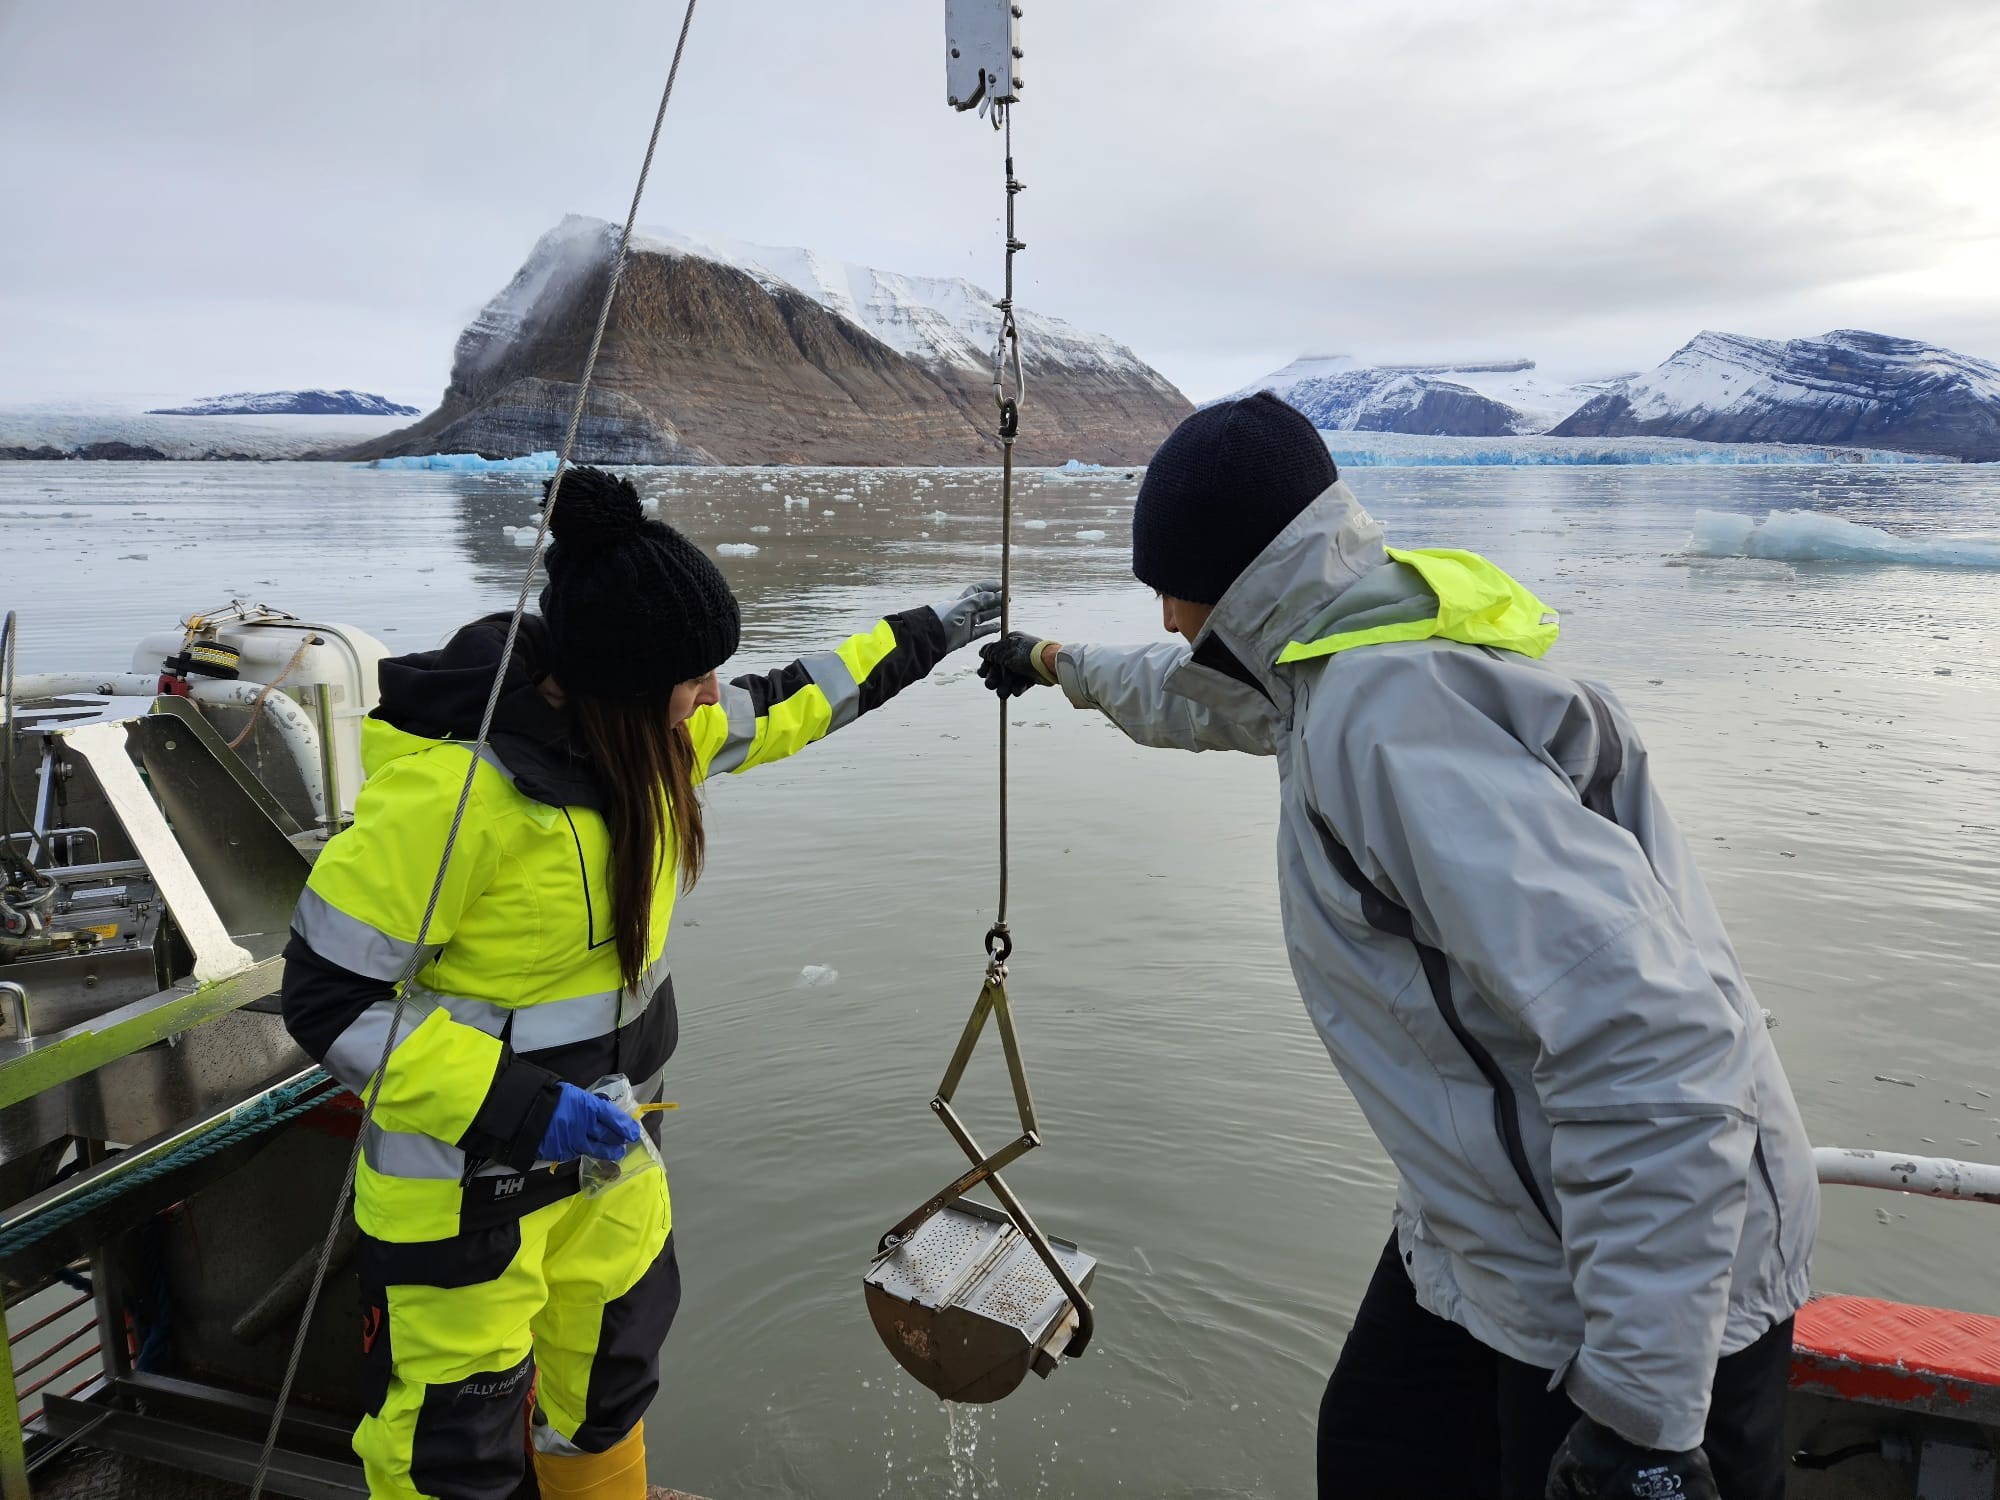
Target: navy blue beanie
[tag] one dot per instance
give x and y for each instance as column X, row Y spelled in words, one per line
column 1224, row 483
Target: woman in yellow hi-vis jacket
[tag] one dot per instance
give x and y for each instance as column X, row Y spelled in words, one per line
column 484, row 1280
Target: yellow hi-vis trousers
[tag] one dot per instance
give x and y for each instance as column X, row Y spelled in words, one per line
column 571, row 1301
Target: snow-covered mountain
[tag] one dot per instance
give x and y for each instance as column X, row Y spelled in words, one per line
column 124, row 427
column 719, row 352
column 1472, row 398
column 315, row 403
column 1848, row 386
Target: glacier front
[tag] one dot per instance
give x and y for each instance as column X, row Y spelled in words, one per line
column 1363, row 450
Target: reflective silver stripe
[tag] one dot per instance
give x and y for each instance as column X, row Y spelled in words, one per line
column 654, row 976
column 550, row 1023
column 556, row 1023
column 356, row 1051
column 832, row 676
column 351, row 942
column 400, row 1153
column 483, row 1015
column 742, row 712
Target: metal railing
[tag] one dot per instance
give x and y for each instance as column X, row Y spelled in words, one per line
column 1928, row 1176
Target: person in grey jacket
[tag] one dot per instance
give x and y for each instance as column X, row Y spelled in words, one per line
column 1607, row 1203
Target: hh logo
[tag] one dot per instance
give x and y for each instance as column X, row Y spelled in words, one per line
column 507, row 1187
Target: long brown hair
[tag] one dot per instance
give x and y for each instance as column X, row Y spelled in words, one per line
column 646, row 769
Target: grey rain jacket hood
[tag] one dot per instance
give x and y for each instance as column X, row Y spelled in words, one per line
column 1603, row 1171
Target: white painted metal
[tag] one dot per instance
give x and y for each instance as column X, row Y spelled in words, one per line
column 216, row 954
column 340, row 656
column 1932, row 1176
column 294, row 726
column 982, row 46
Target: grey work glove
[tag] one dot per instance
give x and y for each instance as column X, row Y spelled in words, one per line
column 974, row 613
column 1015, row 663
column 1595, row 1463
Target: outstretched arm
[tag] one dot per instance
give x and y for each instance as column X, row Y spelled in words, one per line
column 767, row 717
column 1130, row 686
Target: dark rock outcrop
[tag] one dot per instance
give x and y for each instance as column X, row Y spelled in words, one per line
column 1848, row 387
column 117, row 452
column 709, row 361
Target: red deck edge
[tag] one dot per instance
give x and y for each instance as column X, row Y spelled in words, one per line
column 1929, row 1359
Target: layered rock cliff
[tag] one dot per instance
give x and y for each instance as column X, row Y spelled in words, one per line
column 731, row 354
column 1846, row 387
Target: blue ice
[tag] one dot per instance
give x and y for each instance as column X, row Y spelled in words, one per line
column 470, row 463
column 1807, row 536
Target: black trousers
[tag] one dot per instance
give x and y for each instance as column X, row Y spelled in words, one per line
column 1418, row 1409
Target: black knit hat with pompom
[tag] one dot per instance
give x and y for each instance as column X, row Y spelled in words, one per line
column 634, row 608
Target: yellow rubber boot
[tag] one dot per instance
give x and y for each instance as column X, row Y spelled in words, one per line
column 618, row 1473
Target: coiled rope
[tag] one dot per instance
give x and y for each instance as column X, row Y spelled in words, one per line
column 471, row 766
column 257, row 1117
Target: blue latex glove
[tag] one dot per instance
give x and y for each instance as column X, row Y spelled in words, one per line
column 585, row 1125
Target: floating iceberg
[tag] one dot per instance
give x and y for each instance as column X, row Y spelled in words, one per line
column 1091, row 535
column 469, row 463
column 1036, row 525
column 1806, row 536
column 737, row 549
column 1362, row 450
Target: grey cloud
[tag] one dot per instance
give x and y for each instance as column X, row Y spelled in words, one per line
column 236, row 194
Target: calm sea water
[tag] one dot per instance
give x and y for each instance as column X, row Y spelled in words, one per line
column 1843, row 791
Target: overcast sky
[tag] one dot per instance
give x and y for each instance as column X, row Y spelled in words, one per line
column 205, row 196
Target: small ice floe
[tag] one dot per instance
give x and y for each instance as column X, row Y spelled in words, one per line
column 1805, row 536
column 736, row 549
column 525, row 537
column 827, row 513
column 769, row 489
column 815, row 976
column 799, row 502
column 1090, row 535
column 1036, row 525
column 760, row 531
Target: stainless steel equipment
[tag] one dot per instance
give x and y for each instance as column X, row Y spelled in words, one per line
column 969, row 1300
column 166, row 1151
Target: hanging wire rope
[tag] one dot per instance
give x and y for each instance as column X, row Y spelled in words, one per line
column 1006, row 352
column 472, row 767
